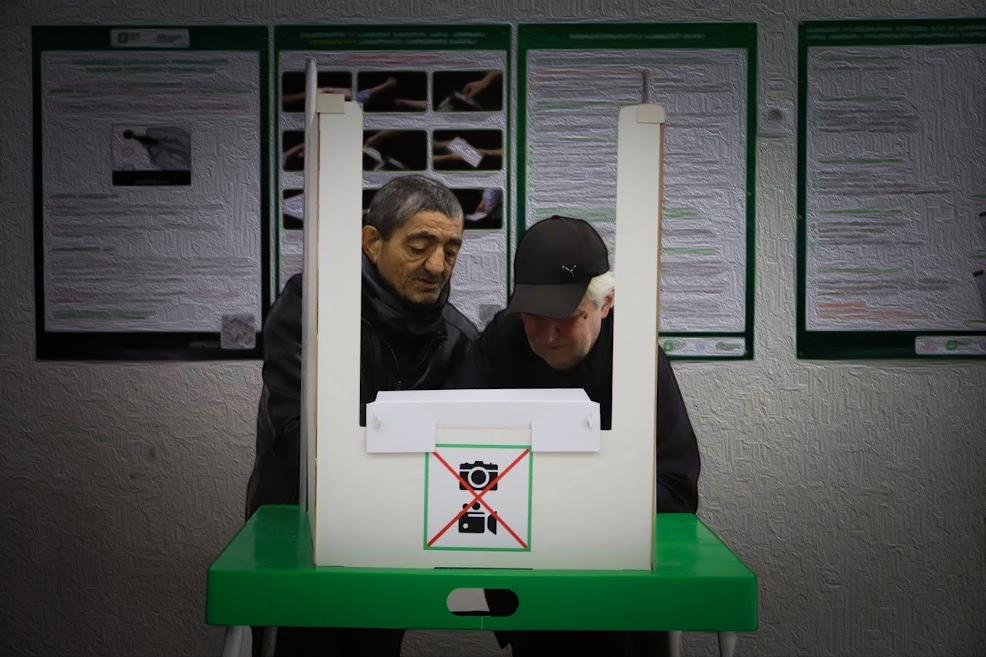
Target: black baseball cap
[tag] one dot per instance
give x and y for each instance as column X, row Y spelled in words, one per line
column 555, row 260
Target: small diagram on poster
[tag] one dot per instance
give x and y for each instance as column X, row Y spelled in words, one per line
column 478, row 497
column 151, row 155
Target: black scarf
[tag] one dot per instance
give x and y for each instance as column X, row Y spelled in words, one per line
column 396, row 316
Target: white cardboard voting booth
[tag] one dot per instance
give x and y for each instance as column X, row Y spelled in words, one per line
column 474, row 478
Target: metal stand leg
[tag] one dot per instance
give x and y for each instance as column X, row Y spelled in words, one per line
column 238, row 642
column 269, row 646
column 727, row 644
column 674, row 644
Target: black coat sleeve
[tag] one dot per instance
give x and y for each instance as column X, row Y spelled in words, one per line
column 477, row 370
column 275, row 473
column 678, row 461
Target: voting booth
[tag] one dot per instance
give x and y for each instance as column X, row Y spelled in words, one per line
column 474, row 478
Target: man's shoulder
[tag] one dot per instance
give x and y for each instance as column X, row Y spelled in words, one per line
column 505, row 332
column 505, row 322
column 291, row 292
column 459, row 323
column 294, row 285
column 285, row 313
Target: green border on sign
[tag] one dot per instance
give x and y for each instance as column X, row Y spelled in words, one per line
column 335, row 38
column 147, row 345
column 864, row 344
column 530, row 498
column 666, row 36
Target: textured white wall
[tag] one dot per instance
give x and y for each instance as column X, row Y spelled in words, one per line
column 857, row 491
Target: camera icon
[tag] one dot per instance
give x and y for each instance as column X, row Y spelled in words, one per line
column 479, row 475
column 476, row 521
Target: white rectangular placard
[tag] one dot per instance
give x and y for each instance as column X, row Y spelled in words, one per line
column 560, row 420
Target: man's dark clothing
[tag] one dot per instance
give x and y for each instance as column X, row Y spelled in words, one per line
column 502, row 358
column 402, row 346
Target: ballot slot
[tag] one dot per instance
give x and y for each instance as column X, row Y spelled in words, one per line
column 482, row 602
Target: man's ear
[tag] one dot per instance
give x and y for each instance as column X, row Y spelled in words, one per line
column 609, row 303
column 372, row 243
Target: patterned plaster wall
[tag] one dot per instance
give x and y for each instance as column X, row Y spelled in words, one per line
column 857, row 491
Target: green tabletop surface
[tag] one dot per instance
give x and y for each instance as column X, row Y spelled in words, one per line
column 266, row 576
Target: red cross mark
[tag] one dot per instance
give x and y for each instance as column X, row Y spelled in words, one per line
column 478, row 497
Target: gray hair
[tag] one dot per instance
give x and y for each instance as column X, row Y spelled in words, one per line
column 402, row 198
column 600, row 287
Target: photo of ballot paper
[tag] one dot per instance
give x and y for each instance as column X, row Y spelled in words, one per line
column 468, row 91
column 483, row 206
column 466, row 151
column 395, row 150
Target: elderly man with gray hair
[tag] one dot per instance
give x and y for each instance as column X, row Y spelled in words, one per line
column 557, row 332
column 411, row 337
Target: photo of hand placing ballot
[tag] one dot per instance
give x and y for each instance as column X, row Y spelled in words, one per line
column 331, row 82
column 392, row 91
column 468, row 91
column 395, row 150
column 467, row 150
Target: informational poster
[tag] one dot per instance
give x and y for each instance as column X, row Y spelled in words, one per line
column 892, row 189
column 150, row 191
column 435, row 102
column 574, row 79
column 478, row 497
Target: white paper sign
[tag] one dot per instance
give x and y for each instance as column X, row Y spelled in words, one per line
column 478, row 497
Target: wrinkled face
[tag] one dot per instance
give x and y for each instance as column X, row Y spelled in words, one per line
column 564, row 343
column 418, row 259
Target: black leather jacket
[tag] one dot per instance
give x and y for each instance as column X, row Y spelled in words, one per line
column 502, row 358
column 403, row 346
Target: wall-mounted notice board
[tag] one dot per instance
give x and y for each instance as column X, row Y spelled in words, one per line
column 892, row 189
column 573, row 80
column 436, row 102
column 150, row 191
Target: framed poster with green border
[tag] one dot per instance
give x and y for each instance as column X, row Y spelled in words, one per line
column 892, row 189
column 572, row 81
column 436, row 102
column 150, row 191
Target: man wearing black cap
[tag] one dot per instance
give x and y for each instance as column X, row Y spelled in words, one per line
column 557, row 332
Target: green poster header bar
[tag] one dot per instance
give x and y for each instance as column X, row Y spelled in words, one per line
column 884, row 33
column 392, row 37
column 232, row 37
column 637, row 35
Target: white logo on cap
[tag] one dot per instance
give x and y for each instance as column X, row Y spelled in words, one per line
column 571, row 271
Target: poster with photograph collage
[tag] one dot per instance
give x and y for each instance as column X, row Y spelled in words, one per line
column 438, row 110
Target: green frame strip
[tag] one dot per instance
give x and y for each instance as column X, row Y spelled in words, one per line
column 146, row 345
column 845, row 345
column 663, row 36
column 333, row 38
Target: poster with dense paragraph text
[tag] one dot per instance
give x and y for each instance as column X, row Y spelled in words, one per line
column 150, row 191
